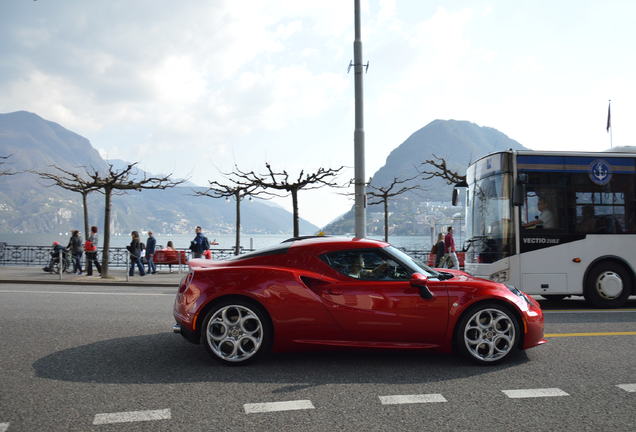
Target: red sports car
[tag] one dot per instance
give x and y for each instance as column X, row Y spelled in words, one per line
column 334, row 292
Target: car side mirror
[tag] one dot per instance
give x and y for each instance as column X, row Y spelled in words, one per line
column 419, row 281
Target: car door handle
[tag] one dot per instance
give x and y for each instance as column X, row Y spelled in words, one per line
column 333, row 291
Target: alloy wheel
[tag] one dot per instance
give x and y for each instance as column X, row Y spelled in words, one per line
column 489, row 335
column 234, row 333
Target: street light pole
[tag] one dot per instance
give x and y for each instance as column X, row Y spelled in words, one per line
column 358, row 134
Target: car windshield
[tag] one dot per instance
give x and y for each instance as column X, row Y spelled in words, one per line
column 415, row 265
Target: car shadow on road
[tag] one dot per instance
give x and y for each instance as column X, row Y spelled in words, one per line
column 168, row 359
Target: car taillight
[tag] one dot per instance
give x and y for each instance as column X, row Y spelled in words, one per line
column 186, row 282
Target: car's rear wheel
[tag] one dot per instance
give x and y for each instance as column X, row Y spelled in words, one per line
column 487, row 333
column 236, row 332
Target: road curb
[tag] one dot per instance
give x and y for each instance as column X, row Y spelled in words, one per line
column 84, row 283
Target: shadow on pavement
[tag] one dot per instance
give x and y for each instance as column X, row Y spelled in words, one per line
column 166, row 358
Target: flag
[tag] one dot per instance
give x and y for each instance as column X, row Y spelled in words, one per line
column 609, row 118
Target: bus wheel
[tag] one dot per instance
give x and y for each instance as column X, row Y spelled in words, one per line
column 554, row 297
column 607, row 285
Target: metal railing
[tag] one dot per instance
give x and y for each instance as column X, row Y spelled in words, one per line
column 21, row 255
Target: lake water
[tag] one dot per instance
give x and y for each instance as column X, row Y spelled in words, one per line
column 257, row 241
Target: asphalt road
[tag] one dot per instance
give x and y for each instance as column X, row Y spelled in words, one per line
column 81, row 358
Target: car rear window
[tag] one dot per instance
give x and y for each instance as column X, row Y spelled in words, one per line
column 271, row 250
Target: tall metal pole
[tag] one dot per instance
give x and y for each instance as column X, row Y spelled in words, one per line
column 358, row 134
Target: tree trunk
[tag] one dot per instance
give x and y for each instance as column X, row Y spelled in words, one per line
column 85, row 204
column 107, row 205
column 386, row 220
column 294, row 194
column 237, row 196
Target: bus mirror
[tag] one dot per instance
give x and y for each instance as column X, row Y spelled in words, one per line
column 519, row 194
column 462, row 184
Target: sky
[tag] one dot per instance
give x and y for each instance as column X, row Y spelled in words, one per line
column 195, row 87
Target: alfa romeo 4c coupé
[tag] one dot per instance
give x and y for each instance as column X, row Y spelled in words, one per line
column 355, row 293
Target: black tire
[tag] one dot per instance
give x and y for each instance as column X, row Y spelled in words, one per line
column 237, row 343
column 554, row 297
column 504, row 339
column 607, row 285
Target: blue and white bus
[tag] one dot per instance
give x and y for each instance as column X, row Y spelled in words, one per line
column 554, row 224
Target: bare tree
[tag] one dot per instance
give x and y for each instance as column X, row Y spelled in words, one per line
column 280, row 181
column 73, row 182
column 122, row 180
column 236, row 190
column 438, row 167
column 381, row 194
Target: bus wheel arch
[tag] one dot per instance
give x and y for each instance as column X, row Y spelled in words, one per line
column 608, row 282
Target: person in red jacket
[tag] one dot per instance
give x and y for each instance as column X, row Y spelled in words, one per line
column 449, row 243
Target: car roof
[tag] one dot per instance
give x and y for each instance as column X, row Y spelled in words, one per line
column 336, row 243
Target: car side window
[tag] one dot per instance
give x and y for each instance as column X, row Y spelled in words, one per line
column 367, row 265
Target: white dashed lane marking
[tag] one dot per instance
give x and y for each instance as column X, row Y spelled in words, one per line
column 412, row 399
column 534, row 393
column 132, row 416
column 4, row 427
column 277, row 406
column 627, row 387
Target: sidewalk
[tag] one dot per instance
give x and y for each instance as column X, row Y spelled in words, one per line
column 117, row 276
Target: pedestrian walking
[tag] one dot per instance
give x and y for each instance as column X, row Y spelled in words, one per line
column 135, row 250
column 75, row 247
column 439, row 249
column 90, row 247
column 151, row 244
column 200, row 243
column 449, row 244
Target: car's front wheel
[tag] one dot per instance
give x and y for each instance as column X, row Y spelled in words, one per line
column 237, row 331
column 487, row 333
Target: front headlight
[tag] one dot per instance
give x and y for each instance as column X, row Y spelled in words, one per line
column 518, row 293
column 500, row 276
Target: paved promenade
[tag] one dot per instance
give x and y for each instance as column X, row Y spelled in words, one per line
column 117, row 276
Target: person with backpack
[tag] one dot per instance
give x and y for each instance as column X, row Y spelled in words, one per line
column 200, row 243
column 90, row 247
column 135, row 248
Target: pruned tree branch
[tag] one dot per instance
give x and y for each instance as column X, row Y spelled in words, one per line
column 284, row 185
column 381, row 195
column 440, row 169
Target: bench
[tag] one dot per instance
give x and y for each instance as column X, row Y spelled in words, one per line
column 170, row 257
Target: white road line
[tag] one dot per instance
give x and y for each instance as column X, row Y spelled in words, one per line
column 534, row 393
column 4, row 427
column 412, row 399
column 132, row 416
column 277, row 406
column 628, row 387
column 84, row 292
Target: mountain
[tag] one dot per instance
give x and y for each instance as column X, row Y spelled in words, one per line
column 29, row 204
column 414, row 212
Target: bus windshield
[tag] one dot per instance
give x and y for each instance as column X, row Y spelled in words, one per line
column 488, row 219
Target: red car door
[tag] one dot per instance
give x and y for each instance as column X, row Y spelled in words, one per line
column 388, row 311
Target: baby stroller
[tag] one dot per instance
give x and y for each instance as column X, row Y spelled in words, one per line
column 54, row 262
